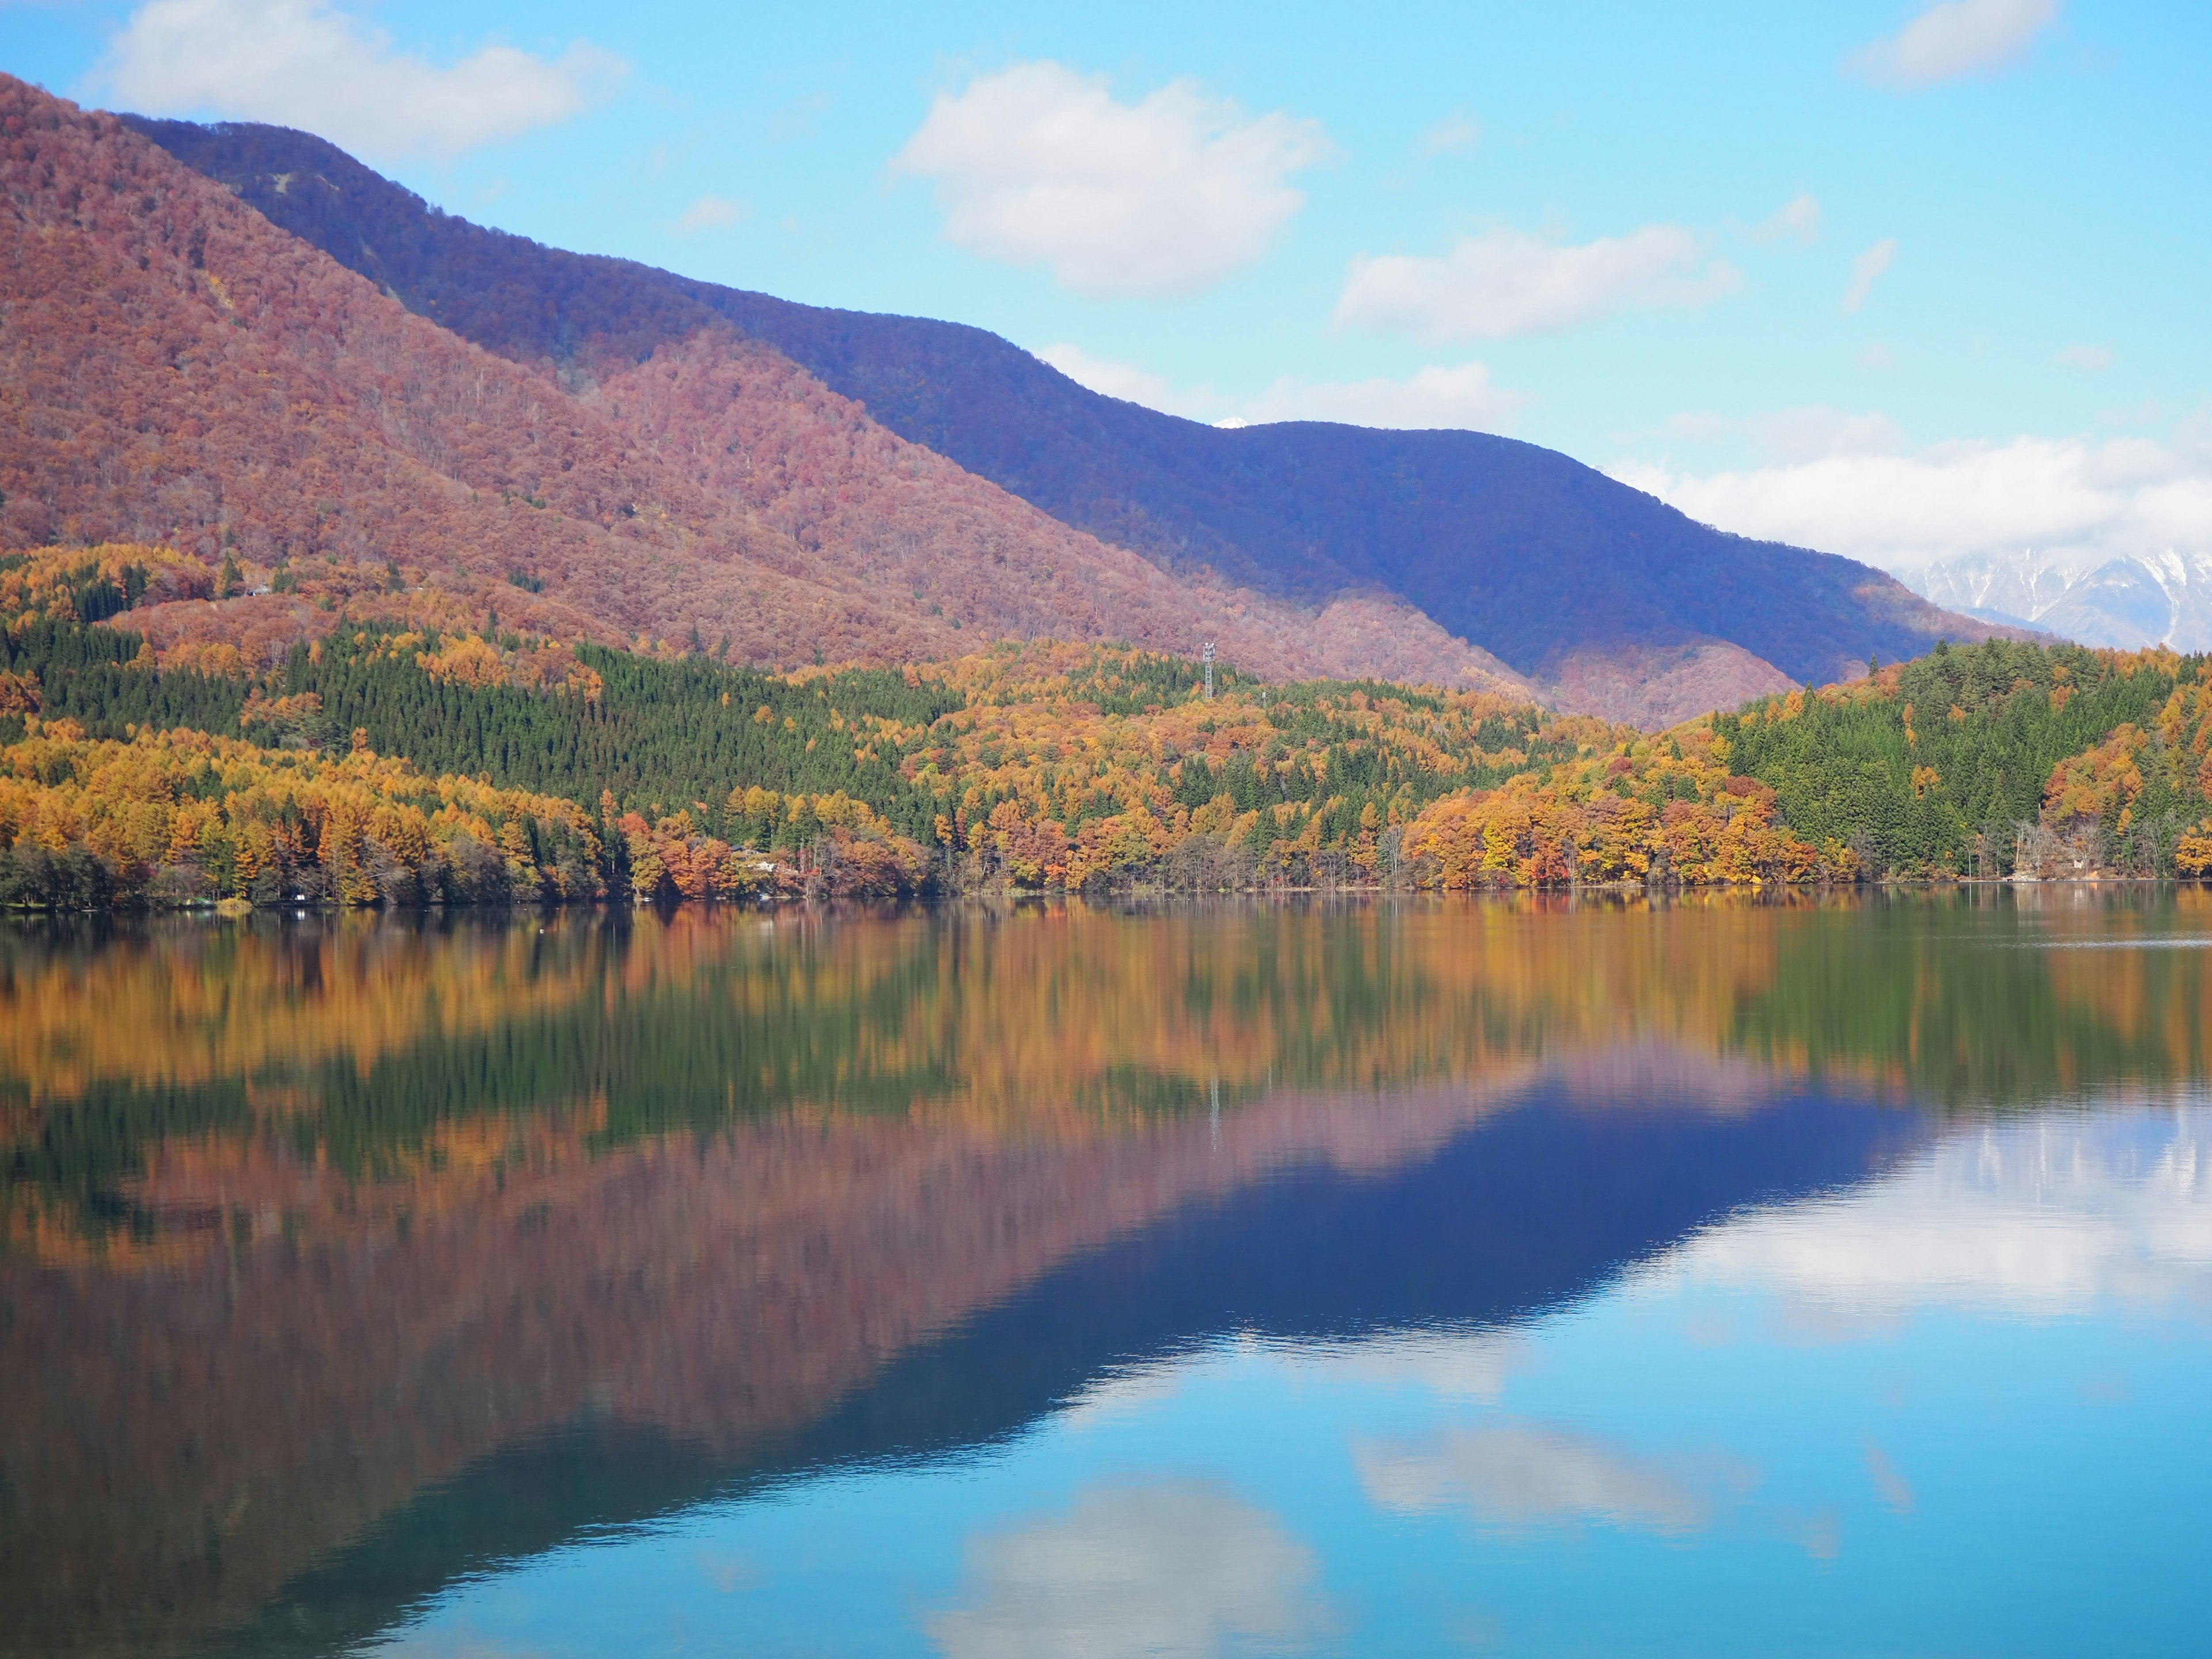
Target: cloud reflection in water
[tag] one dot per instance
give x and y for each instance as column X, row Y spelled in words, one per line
column 1175, row 1569
column 1517, row 1475
column 2056, row 1216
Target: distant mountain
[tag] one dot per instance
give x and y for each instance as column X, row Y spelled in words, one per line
column 2125, row 603
column 1401, row 547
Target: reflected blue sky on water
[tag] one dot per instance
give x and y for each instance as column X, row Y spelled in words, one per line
column 1957, row 1408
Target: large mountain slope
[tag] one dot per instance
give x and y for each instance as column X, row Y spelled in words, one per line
column 1608, row 598
column 175, row 368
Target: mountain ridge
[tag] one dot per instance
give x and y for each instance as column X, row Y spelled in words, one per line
column 178, row 370
column 2126, row 603
column 360, row 407
column 1605, row 598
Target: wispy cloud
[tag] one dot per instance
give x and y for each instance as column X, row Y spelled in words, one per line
column 1040, row 165
column 1506, row 282
column 306, row 63
column 2090, row 359
column 1797, row 221
column 1456, row 133
column 1867, row 270
column 1957, row 37
column 711, row 213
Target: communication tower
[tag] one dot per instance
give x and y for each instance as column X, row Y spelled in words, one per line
column 1207, row 657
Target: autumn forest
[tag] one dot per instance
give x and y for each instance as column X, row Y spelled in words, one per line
column 307, row 598
column 383, row 764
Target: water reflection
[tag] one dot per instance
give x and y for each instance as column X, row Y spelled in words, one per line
column 345, row 1261
column 2066, row 1215
column 1172, row 1567
column 1517, row 1475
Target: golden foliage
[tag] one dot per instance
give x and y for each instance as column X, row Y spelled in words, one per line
column 227, row 813
column 2099, row 782
column 1653, row 808
column 468, row 660
column 52, row 581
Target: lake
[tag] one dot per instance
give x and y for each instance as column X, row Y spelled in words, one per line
column 1807, row 1276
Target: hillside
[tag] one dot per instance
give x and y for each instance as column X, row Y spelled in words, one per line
column 178, row 370
column 1607, row 599
column 350, row 772
column 413, row 767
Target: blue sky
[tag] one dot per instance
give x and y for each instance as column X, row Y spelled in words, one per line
column 1904, row 280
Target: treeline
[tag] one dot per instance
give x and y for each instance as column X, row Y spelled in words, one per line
column 1996, row 760
column 1045, row 765
column 377, row 765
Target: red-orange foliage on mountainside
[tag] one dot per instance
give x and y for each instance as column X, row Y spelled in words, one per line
column 177, row 369
column 738, row 421
column 1615, row 603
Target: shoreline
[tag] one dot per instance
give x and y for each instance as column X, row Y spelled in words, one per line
column 234, row 910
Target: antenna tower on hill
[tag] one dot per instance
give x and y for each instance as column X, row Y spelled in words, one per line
column 1207, row 657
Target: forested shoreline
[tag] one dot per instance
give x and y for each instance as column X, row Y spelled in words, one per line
column 379, row 765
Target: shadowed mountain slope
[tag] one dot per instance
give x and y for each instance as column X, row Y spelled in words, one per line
column 176, row 369
column 1614, row 602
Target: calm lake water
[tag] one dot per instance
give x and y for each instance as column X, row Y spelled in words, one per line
column 1526, row 1278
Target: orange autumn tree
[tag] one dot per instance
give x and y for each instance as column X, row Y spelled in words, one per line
column 183, row 815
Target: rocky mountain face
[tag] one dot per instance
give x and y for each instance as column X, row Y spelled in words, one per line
column 2126, row 603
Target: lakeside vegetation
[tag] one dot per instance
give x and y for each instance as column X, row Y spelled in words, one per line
column 410, row 765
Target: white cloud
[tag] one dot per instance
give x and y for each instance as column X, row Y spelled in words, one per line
column 1459, row 397
column 1455, row 133
column 1867, row 270
column 2091, row 360
column 1848, row 484
column 1039, row 165
column 1181, row 1570
column 1798, row 219
column 305, row 63
column 1954, row 38
column 711, row 213
column 1505, row 282
column 1519, row 1475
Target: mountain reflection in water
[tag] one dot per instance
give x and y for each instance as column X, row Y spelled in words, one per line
column 345, row 1259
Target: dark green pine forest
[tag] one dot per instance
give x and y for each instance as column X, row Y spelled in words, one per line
column 1983, row 730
